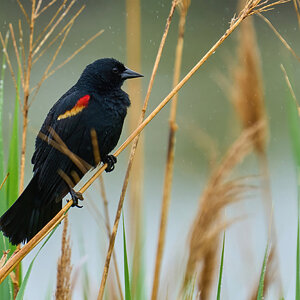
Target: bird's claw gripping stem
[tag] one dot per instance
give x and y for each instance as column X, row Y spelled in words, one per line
column 110, row 160
column 75, row 197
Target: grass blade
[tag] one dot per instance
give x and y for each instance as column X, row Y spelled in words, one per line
column 260, row 293
column 126, row 270
column 13, row 159
column 25, row 280
column 298, row 266
column 221, row 270
column 2, row 75
column 297, row 296
column 294, row 128
column 6, row 291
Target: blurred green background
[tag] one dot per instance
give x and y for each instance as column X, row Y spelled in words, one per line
column 203, row 106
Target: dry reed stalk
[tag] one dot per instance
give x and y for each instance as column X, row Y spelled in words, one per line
column 97, row 159
column 64, row 267
column 209, row 223
column 290, row 87
column 132, row 153
column 183, row 6
column 284, row 42
column 4, row 257
column 108, row 227
column 133, row 45
column 18, row 256
column 296, row 3
column 4, row 180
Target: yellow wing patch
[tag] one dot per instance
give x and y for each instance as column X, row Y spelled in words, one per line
column 79, row 106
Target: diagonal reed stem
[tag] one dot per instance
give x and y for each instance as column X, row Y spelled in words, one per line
column 19, row 255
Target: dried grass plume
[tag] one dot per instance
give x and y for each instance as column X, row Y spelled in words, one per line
column 209, row 223
column 64, row 267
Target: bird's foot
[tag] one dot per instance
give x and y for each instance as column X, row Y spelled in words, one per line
column 110, row 160
column 75, row 197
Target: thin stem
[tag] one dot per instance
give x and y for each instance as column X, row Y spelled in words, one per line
column 26, row 96
column 22, row 48
column 59, row 34
column 67, row 60
column 108, row 227
column 17, row 53
column 10, row 68
column 284, row 42
column 24, row 11
column 62, row 16
column 49, row 24
column 170, row 161
column 134, row 87
column 45, row 7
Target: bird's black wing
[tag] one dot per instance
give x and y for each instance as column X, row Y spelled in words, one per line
column 65, row 119
column 41, row 146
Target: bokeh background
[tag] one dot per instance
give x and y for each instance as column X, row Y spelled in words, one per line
column 203, row 107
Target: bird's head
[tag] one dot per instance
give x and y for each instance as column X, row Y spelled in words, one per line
column 107, row 73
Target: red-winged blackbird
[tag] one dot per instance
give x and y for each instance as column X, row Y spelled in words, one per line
column 95, row 102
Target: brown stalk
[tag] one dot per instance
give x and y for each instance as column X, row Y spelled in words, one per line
column 97, row 159
column 284, row 42
column 51, row 63
column 26, row 96
column 3, row 258
column 297, row 11
column 22, row 48
column 108, row 227
column 10, row 67
column 59, row 144
column 183, row 8
column 52, row 28
column 49, row 23
column 38, row 7
column 73, row 54
column 64, row 267
column 18, row 256
column 133, row 44
column 59, row 34
column 17, row 53
column 24, row 12
column 4, row 180
column 132, row 154
column 209, row 223
column 45, row 7
column 290, row 86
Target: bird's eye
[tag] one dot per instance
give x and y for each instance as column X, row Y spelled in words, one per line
column 115, row 70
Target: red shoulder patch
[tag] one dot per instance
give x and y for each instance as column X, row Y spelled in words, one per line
column 79, row 106
column 83, row 101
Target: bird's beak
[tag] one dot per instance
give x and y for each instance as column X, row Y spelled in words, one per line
column 127, row 74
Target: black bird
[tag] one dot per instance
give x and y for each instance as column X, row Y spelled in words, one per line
column 96, row 102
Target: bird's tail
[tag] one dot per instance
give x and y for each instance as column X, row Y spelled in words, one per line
column 28, row 215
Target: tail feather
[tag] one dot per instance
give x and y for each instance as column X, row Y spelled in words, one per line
column 28, row 215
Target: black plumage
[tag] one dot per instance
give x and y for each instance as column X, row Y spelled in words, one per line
column 96, row 102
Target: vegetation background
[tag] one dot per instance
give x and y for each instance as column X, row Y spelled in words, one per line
column 207, row 124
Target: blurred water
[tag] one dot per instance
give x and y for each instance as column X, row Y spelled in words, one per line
column 202, row 105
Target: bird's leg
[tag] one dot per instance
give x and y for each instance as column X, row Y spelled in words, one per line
column 110, row 160
column 75, row 197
